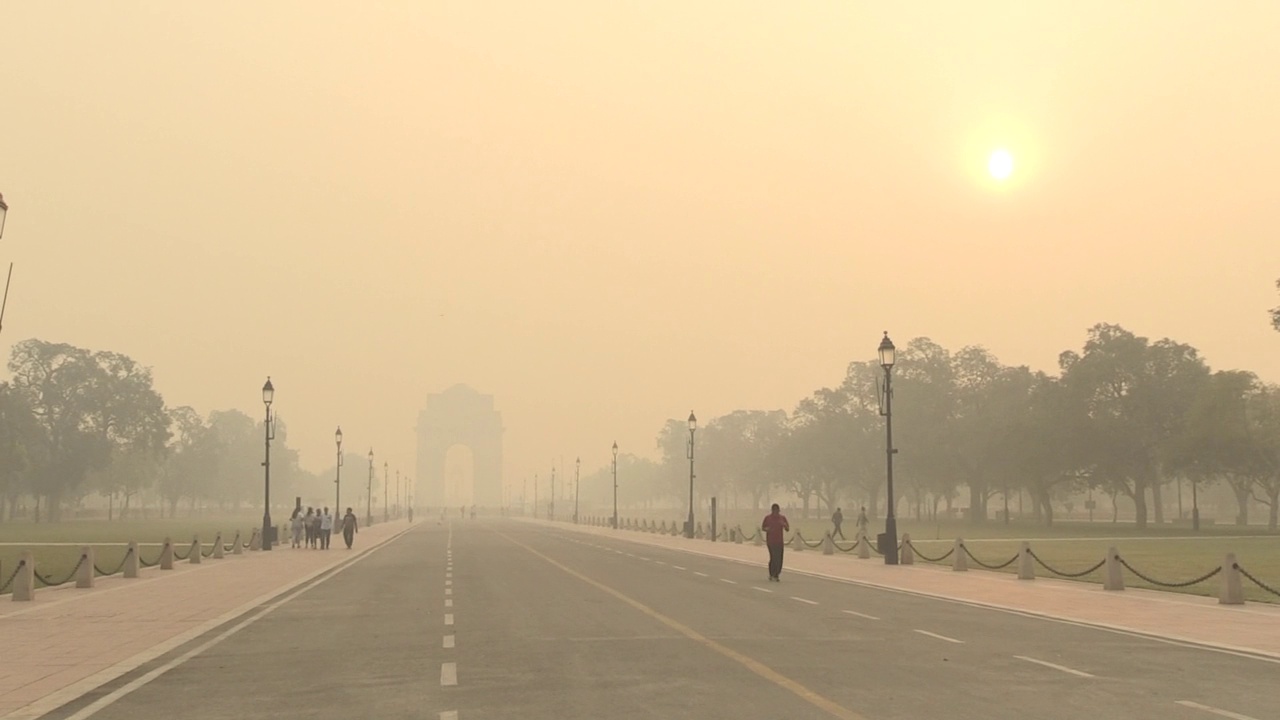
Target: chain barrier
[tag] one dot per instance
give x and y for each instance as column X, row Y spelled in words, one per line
column 1153, row 581
column 176, row 556
column 1243, row 572
column 807, row 543
column 926, row 558
column 852, row 547
column 119, row 567
column 144, row 563
column 1000, row 566
column 1060, row 573
column 47, row 583
column 12, row 576
column 212, row 549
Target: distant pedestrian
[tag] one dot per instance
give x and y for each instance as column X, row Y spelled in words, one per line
column 775, row 523
column 862, row 521
column 349, row 528
column 308, row 526
column 837, row 519
column 326, row 529
column 295, row 527
column 315, row 530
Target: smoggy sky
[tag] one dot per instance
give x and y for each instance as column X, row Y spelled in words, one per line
column 609, row 213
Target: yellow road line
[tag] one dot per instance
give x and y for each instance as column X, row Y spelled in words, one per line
column 755, row 666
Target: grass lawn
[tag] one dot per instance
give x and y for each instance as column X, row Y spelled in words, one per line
column 108, row 539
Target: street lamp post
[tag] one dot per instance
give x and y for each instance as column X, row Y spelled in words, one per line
column 887, row 357
column 552, row 514
column 615, row 485
column 337, row 480
column 399, row 500
column 4, row 210
column 386, row 476
column 368, row 500
column 693, row 426
column 268, row 395
column 535, row 495
column 577, row 486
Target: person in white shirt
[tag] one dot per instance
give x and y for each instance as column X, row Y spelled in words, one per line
column 326, row 529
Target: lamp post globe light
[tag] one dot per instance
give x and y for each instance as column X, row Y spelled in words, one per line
column 693, row 426
column 888, row 541
column 368, row 500
column 615, row 485
column 337, row 480
column 268, row 395
column 577, row 485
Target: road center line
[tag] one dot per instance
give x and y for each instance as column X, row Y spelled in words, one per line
column 1216, row 711
column 727, row 580
column 800, row 599
column 678, row 567
column 1063, row 668
column 449, row 641
column 448, row 602
column 448, row 591
column 448, row 674
column 754, row 587
column 447, row 583
column 829, row 706
column 448, row 618
column 449, row 715
column 940, row 637
column 700, row 574
column 861, row 615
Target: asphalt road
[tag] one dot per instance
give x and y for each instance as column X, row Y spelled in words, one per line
column 488, row 619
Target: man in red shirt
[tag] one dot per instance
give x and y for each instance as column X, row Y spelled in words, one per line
column 775, row 523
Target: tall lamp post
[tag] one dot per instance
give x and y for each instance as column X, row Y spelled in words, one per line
column 399, row 500
column 552, row 514
column 386, row 477
column 615, row 485
column 693, row 426
column 268, row 394
column 889, row 542
column 368, row 500
column 577, row 486
column 337, row 480
column 4, row 210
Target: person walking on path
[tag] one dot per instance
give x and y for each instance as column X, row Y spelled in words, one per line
column 308, row 525
column 863, row 522
column 349, row 528
column 295, row 526
column 837, row 519
column 775, row 523
column 326, row 529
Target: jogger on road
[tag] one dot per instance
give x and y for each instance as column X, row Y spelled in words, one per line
column 775, row 523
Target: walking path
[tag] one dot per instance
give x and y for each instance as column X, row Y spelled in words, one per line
column 68, row 640
column 1253, row 628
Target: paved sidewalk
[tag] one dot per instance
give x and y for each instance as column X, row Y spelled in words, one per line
column 68, row 641
column 1251, row 628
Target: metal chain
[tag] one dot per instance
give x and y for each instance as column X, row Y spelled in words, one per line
column 212, row 549
column 119, row 567
column 144, row 563
column 1243, row 572
column 1060, row 573
column 1153, row 581
column 13, row 575
column 926, row 558
column 1001, row 566
column 852, row 547
column 807, row 543
column 47, row 583
column 176, row 556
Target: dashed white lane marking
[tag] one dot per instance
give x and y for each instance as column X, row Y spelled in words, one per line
column 448, row 583
column 660, row 562
column 727, row 580
column 449, row 715
column 1216, row 711
column 449, row 641
column 678, row 567
column 644, row 558
column 448, row 575
column 1063, row 668
column 448, row 591
column 800, row 599
column 700, row 574
column 448, row 618
column 753, row 587
column 940, row 637
column 861, row 615
column 448, row 602
column 448, row 673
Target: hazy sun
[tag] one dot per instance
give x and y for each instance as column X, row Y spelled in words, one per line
column 1000, row 165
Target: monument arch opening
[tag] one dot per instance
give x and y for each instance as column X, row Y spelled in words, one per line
column 459, row 450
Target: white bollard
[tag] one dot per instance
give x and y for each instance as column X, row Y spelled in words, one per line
column 758, row 539
column 737, row 536
column 959, row 561
column 1026, row 566
column 864, row 546
column 194, row 558
column 797, row 543
column 131, row 563
column 1112, row 577
column 24, row 582
column 1231, row 592
column 828, row 545
column 236, row 547
column 907, row 555
column 255, row 541
column 166, row 555
column 217, row 546
column 84, row 575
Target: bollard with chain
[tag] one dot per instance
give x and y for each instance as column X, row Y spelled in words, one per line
column 217, row 546
column 1113, row 578
column 961, row 562
column 84, row 575
column 194, row 557
column 1026, row 568
column 131, row 563
column 797, row 544
column 255, row 540
column 1231, row 592
column 166, row 555
column 236, row 547
column 737, row 537
column 864, row 547
column 907, row 555
column 24, row 579
column 828, row 545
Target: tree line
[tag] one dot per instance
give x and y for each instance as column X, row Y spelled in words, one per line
column 1124, row 417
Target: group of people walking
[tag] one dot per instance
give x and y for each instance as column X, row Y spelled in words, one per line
column 316, row 526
